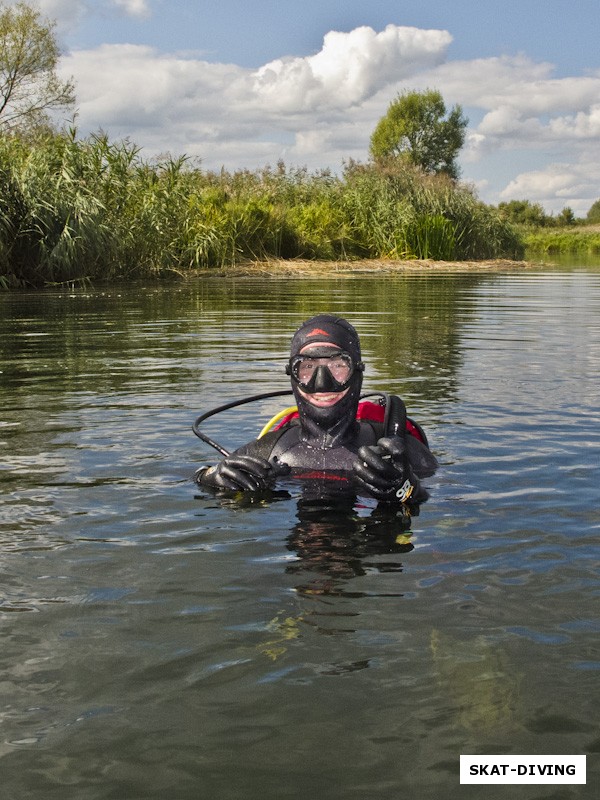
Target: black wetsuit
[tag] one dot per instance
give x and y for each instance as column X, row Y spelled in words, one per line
column 291, row 446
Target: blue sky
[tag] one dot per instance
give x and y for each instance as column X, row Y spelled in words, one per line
column 243, row 84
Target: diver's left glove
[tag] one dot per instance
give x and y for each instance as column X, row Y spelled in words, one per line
column 384, row 471
column 242, row 473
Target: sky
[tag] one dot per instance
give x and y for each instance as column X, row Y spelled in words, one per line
column 242, row 84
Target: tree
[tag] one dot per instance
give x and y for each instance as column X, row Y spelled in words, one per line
column 29, row 53
column 593, row 215
column 566, row 217
column 415, row 128
column 524, row 212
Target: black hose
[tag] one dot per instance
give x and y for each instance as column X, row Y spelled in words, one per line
column 252, row 399
column 225, row 407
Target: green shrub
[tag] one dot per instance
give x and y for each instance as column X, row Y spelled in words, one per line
column 555, row 242
column 398, row 212
column 92, row 210
column 593, row 215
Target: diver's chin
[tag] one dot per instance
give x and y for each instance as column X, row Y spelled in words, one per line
column 324, row 399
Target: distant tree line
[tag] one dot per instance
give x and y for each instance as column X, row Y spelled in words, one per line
column 524, row 212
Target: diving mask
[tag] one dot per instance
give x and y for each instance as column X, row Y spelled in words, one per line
column 323, row 371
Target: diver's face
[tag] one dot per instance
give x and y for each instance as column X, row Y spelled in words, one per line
column 322, row 399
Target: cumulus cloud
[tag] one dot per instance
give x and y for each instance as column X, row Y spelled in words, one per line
column 517, row 81
column 581, row 126
column 321, row 109
column 349, row 68
column 521, row 101
column 519, row 107
column 138, row 91
column 568, row 183
column 131, row 87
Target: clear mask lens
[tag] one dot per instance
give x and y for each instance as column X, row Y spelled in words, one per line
column 340, row 367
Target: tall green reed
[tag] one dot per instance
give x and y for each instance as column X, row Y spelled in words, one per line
column 90, row 209
column 557, row 241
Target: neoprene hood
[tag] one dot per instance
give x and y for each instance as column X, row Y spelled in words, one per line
column 329, row 427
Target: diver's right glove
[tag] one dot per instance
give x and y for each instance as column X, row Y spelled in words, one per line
column 241, row 473
column 384, row 471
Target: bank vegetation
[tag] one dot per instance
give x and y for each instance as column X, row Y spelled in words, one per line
column 92, row 210
column 551, row 235
column 579, row 240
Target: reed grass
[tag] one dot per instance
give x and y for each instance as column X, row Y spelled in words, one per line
column 583, row 240
column 75, row 210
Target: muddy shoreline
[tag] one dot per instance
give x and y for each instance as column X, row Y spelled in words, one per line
column 276, row 268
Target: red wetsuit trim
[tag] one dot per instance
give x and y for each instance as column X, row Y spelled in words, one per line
column 316, row 475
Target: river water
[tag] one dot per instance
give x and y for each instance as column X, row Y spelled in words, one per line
column 159, row 642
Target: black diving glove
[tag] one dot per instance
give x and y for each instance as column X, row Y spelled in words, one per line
column 383, row 470
column 242, row 473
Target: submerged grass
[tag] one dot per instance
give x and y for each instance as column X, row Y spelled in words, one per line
column 76, row 210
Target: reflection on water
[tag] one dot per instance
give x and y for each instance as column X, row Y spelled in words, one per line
column 334, row 541
column 162, row 642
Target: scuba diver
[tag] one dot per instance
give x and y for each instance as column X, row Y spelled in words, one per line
column 332, row 436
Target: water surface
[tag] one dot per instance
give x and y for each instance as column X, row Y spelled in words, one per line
column 161, row 642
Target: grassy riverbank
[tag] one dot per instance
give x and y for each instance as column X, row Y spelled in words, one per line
column 579, row 239
column 92, row 210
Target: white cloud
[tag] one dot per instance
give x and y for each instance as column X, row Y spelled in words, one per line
column 320, row 110
column 557, row 185
column 582, row 125
column 523, row 103
column 131, row 87
column 69, row 13
column 137, row 91
column 349, row 68
column 134, row 8
column 520, row 108
column 516, row 81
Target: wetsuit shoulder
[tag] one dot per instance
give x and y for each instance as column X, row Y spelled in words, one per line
column 263, row 447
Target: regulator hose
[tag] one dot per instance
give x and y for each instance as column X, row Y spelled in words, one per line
column 253, row 398
column 394, row 414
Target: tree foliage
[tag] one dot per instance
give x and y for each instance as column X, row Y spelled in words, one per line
column 524, row 212
column 593, row 215
column 532, row 215
column 29, row 84
column 415, row 128
column 566, row 217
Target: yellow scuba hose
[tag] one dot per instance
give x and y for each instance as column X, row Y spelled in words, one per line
column 274, row 420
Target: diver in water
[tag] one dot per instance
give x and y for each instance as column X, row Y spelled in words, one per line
column 384, row 456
